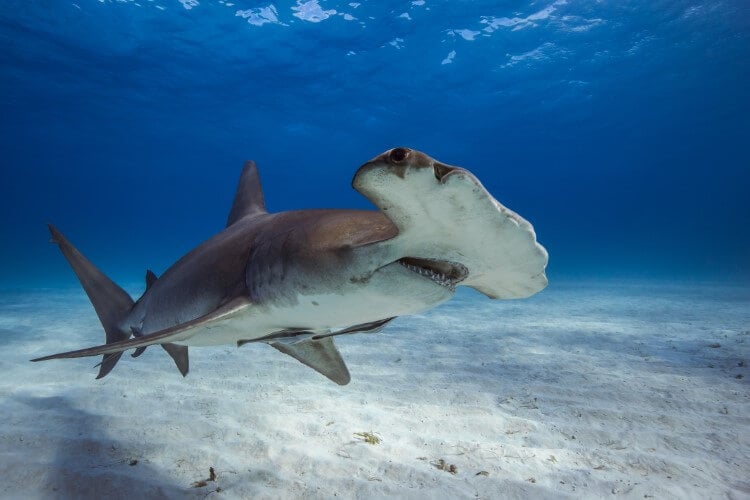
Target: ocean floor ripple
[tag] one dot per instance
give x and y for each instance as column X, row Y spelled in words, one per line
column 635, row 389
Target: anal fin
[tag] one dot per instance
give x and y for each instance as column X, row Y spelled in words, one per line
column 177, row 352
column 108, row 362
column 320, row 355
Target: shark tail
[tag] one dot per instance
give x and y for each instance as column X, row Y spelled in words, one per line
column 111, row 303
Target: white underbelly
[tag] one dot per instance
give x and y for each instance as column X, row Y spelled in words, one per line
column 315, row 313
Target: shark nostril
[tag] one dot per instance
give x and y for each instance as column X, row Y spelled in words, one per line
column 441, row 170
column 399, row 154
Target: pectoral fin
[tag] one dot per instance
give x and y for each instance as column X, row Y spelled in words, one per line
column 179, row 353
column 320, row 355
column 372, row 327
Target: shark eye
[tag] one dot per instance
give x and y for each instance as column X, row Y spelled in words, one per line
column 399, row 154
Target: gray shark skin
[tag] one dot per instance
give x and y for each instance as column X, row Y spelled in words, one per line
column 297, row 279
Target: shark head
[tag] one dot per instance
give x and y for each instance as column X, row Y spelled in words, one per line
column 451, row 231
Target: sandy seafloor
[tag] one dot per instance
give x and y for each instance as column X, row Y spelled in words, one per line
column 597, row 389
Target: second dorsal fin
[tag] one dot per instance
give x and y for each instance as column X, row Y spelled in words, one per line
column 249, row 197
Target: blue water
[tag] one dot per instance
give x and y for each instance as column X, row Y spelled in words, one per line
column 619, row 129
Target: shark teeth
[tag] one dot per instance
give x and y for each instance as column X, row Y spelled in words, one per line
column 443, row 273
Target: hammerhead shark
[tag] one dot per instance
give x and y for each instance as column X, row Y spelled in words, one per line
column 297, row 279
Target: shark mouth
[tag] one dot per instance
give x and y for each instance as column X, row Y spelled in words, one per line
column 447, row 274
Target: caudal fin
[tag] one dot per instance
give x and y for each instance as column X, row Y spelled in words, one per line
column 112, row 303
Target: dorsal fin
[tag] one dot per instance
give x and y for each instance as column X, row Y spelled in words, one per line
column 249, row 197
column 150, row 278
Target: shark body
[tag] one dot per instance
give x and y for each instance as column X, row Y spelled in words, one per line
column 297, row 279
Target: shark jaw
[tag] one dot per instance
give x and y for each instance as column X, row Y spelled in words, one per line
column 446, row 274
